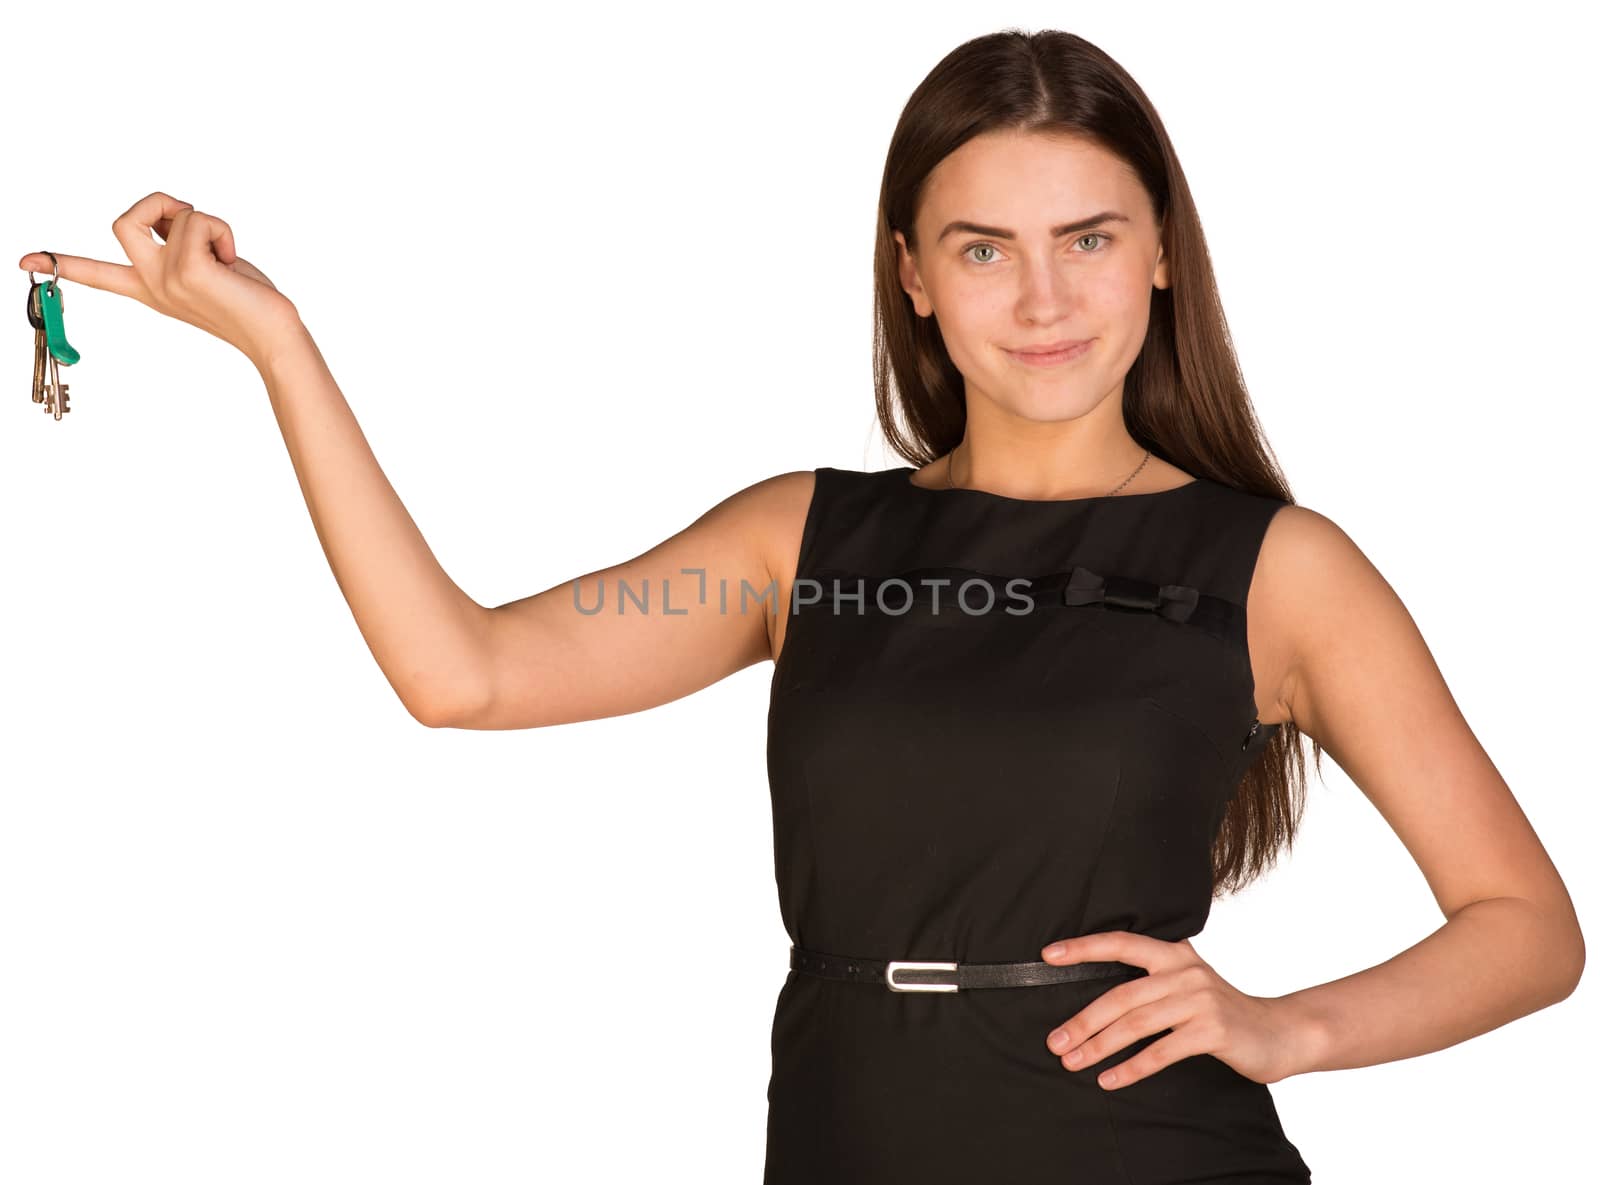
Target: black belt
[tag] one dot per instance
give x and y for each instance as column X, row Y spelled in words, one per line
column 903, row 976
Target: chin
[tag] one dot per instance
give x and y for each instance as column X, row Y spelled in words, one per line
column 1043, row 405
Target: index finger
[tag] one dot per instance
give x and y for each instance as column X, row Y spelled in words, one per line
column 112, row 277
column 1114, row 946
column 154, row 211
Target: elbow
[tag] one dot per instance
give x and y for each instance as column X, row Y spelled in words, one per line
column 1566, row 955
column 429, row 716
column 446, row 690
column 1571, row 946
column 436, row 711
column 1575, row 963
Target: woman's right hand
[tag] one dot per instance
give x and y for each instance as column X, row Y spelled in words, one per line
column 194, row 275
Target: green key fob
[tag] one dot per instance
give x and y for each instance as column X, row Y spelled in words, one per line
column 55, row 333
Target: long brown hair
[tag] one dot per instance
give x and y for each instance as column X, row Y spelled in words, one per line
column 1184, row 397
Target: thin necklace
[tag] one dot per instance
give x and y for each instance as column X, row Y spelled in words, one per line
column 950, row 480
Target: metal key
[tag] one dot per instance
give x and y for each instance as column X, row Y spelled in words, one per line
column 36, row 319
column 58, row 351
column 55, row 397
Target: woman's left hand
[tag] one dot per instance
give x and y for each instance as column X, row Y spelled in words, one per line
column 1205, row 1012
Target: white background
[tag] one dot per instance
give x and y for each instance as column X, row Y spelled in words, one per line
column 580, row 278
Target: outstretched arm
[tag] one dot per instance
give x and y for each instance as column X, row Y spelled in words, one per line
column 690, row 611
column 541, row 660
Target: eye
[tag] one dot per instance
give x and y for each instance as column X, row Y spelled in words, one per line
column 1099, row 237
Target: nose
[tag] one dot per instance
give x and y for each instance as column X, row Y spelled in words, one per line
column 1046, row 292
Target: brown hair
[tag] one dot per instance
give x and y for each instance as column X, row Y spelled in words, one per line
column 1184, row 397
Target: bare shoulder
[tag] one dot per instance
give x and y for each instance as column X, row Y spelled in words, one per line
column 768, row 512
column 1308, row 561
column 785, row 493
column 768, row 517
column 1312, row 587
column 777, row 507
column 1299, row 535
column 785, row 501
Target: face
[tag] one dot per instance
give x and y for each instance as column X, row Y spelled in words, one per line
column 1014, row 284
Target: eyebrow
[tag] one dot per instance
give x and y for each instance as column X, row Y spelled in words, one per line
column 1066, row 228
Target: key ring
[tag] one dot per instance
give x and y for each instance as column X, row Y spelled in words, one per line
column 55, row 280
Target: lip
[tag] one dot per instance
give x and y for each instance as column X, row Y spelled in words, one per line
column 1052, row 354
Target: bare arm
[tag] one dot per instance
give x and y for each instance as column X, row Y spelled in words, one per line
column 690, row 611
column 700, row 605
column 426, row 634
column 450, row 660
column 1360, row 679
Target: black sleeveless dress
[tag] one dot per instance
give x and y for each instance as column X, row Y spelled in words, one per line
column 955, row 784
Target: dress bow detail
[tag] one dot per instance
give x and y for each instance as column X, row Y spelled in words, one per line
column 1175, row 602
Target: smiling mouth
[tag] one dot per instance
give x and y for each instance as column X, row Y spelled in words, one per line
column 1051, row 356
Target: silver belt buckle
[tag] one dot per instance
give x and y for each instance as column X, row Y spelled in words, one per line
column 919, row 987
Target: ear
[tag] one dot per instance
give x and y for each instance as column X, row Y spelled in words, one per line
column 1163, row 277
column 906, row 266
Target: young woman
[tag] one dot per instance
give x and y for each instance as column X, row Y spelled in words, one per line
column 1038, row 696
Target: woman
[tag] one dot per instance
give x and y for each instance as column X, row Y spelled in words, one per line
column 1036, row 700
